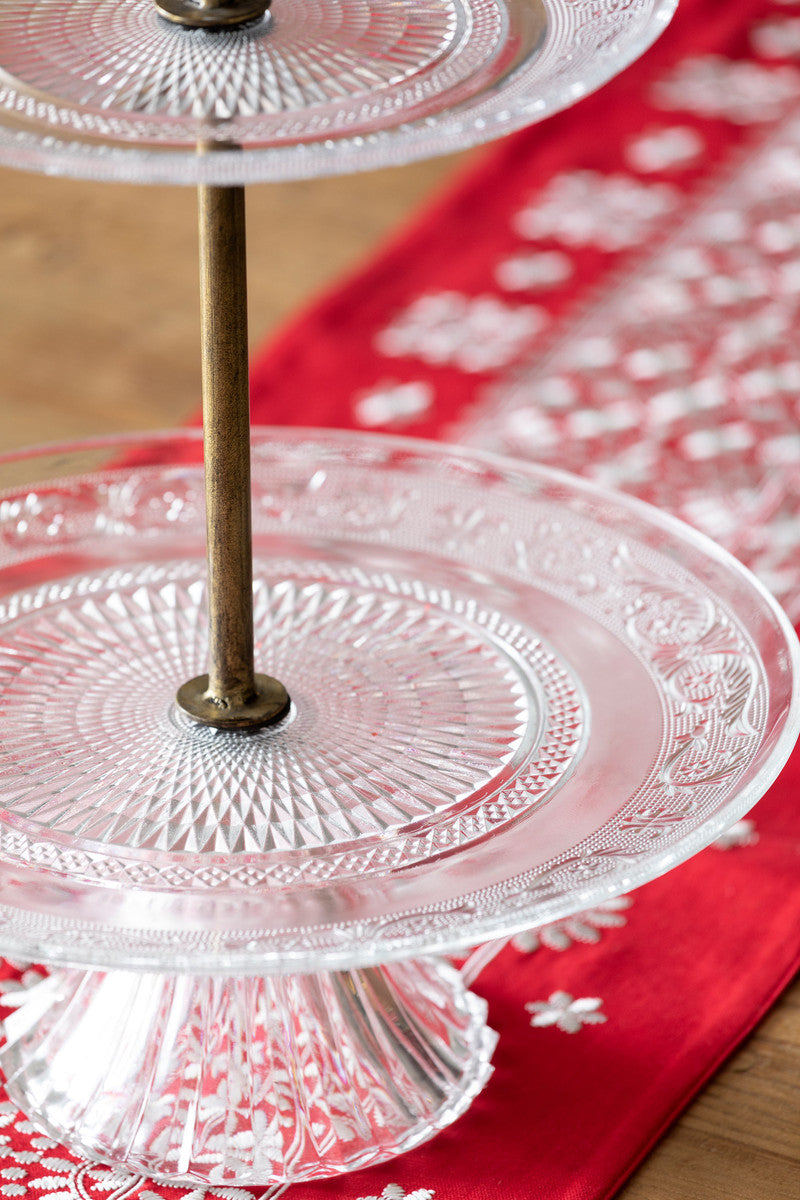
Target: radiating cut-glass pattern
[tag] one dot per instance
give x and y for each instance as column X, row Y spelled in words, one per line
column 401, row 711
column 111, row 57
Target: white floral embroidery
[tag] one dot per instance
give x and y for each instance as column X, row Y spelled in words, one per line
column 742, row 92
column 591, row 423
column 532, row 429
column 743, row 833
column 393, row 1191
column 566, row 1013
column 691, row 393
column 391, row 403
column 779, row 38
column 81, row 1181
column 596, row 352
column 585, row 927
column 232, row 1193
column 779, row 236
column 221, row 1193
column 63, row 1179
column 714, row 443
column 477, row 333
column 779, row 176
column 584, row 208
column 529, row 272
column 13, row 991
column 664, row 149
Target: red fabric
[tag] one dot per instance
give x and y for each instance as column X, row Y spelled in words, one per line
column 310, row 373
column 686, row 972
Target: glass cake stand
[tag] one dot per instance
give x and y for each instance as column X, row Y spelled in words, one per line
column 280, row 735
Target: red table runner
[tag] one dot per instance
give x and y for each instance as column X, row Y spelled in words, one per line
column 616, row 291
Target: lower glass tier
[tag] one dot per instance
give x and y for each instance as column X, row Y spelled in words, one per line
column 231, row 1081
column 513, row 695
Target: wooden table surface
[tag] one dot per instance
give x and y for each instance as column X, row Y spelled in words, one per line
column 99, row 333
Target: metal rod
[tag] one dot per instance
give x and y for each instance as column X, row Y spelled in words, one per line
column 226, row 422
column 231, row 695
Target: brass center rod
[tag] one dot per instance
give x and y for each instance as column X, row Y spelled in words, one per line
column 226, row 424
column 231, row 696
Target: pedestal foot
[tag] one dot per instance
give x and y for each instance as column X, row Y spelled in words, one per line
column 247, row 1081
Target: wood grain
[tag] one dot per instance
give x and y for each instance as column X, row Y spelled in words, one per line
column 99, row 309
column 99, row 332
column 740, row 1139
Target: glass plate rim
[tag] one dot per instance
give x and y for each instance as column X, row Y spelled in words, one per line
column 499, row 924
column 46, row 153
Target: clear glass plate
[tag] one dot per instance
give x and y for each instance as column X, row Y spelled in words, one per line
column 108, row 89
column 513, row 694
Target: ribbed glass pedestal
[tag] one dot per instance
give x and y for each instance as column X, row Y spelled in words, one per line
column 224, row 1081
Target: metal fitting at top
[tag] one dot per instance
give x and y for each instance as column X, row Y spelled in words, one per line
column 212, row 14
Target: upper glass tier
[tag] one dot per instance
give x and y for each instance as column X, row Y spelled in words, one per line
column 109, row 89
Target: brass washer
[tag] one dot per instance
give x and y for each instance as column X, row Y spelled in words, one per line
column 270, row 703
column 199, row 15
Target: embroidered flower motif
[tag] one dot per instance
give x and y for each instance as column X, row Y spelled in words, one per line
column 229, row 1193
column 722, row 518
column 779, row 38
column 14, row 992
column 76, row 1181
column 664, row 149
column 213, row 1193
column 13, row 1189
column 743, row 833
column 586, row 927
column 584, row 208
column 731, row 438
column 64, row 1179
column 716, row 399
column 742, row 92
column 527, row 272
column 566, row 1013
column 530, row 429
column 393, row 403
column 393, row 1191
column 477, row 333
column 779, row 237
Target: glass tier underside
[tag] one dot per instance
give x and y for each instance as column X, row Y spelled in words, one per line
column 108, row 89
column 512, row 695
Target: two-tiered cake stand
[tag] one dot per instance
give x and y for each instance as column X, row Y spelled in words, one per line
column 247, row 809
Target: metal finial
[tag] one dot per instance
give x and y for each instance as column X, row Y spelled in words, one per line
column 212, row 14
